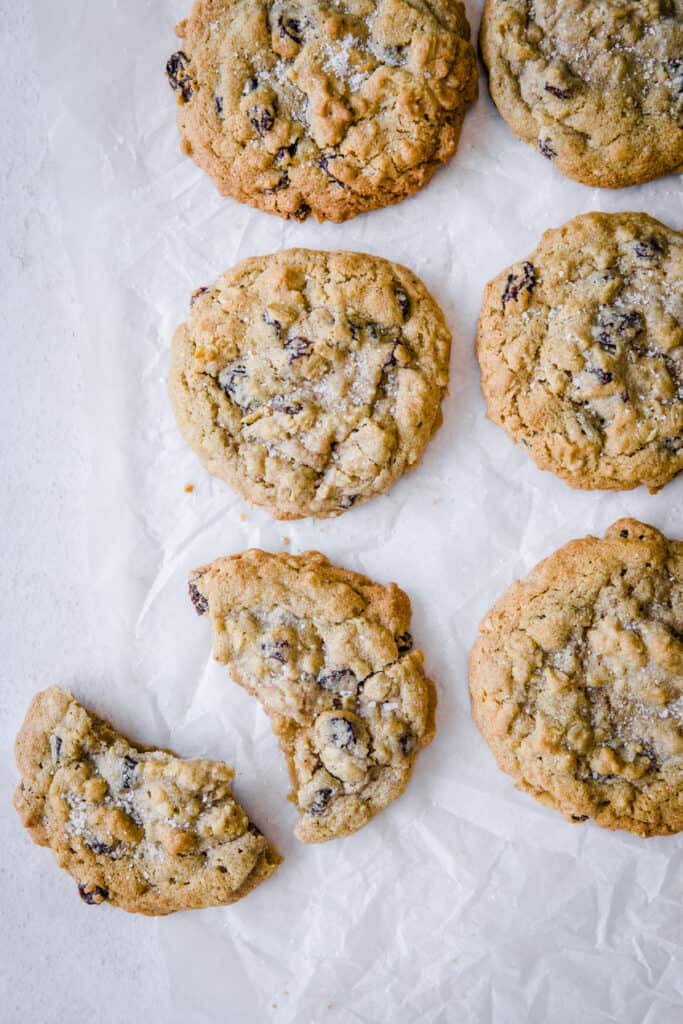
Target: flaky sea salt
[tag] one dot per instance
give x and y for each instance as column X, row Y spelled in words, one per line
column 338, row 62
column 77, row 824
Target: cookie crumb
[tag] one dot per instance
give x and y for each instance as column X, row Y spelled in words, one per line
column 189, row 488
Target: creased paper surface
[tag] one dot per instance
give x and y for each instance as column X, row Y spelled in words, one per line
column 465, row 901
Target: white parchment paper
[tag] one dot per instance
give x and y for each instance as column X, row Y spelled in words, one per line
column 465, row 901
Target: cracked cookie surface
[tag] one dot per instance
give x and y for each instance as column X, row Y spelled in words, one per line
column 576, row 680
column 310, row 381
column 329, row 655
column 136, row 828
column 329, row 107
column 581, row 352
column 596, row 87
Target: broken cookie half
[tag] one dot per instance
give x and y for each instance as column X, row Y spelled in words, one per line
column 137, row 828
column 329, row 655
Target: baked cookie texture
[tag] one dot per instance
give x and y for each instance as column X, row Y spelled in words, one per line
column 323, row 107
column 329, row 655
column 581, row 351
column 596, row 87
column 576, row 680
column 310, row 381
column 137, row 828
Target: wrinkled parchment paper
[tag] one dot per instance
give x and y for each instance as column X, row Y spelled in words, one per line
column 465, row 901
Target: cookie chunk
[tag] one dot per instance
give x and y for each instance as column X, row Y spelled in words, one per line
column 581, row 352
column 320, row 106
column 576, row 680
column 597, row 88
column 329, row 655
column 137, row 828
column 310, row 381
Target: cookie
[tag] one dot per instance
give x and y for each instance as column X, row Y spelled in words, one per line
column 310, row 381
column 137, row 828
column 329, row 655
column 576, row 680
column 597, row 88
column 323, row 107
column 581, row 352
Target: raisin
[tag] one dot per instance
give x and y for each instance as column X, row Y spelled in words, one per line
column 275, row 649
column 178, row 76
column 391, row 357
column 230, row 381
column 201, row 604
column 282, row 182
column 604, row 341
column 403, row 303
column 280, row 404
column 623, row 533
column 272, row 322
column 320, row 801
column 673, row 444
column 97, row 846
column 517, row 283
column 348, row 500
column 404, row 642
column 56, row 745
column 323, row 163
column 341, row 733
column 130, row 764
column 196, row 294
column 330, row 680
column 546, row 149
column 675, row 69
column 92, row 895
column 648, row 249
column 301, row 213
column 291, row 28
column 604, row 376
column 297, row 347
column 249, row 86
column 579, row 817
column 406, row 743
column 284, row 151
column 676, row 633
column 262, row 120
column 614, row 326
column 624, row 396
column 562, row 94
column 675, row 370
column 394, row 56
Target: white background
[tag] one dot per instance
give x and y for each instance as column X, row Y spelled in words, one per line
column 465, row 901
